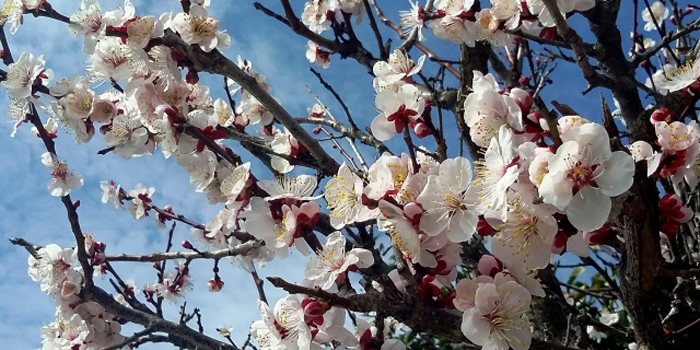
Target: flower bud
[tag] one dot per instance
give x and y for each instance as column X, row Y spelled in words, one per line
column 662, row 114
column 192, row 77
column 421, row 130
column 314, row 309
column 186, row 244
column 412, row 209
column 524, row 81
column 489, row 266
column 549, row 33
column 216, row 284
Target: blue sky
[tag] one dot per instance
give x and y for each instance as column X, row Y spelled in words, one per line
column 28, row 211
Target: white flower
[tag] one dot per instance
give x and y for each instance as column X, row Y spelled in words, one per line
column 525, row 236
column 140, row 201
column 399, row 109
column 538, row 8
column 496, row 172
column 401, row 231
column 111, row 59
column 283, row 328
column 396, row 71
column 88, row 21
column 608, row 318
column 301, row 188
column 344, row 197
column 680, row 78
column 458, row 23
column 316, row 54
column 448, row 204
column 63, row 180
column 143, row 29
column 110, row 193
column 201, row 166
column 486, row 110
column 53, row 268
column 584, row 174
column 332, row 261
column 497, row 319
column 196, row 27
column 657, row 15
column 413, row 20
column 315, row 15
column 126, row 134
column 24, row 73
column 595, row 334
column 507, row 11
column 235, row 182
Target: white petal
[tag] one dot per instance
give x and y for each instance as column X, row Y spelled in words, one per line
column 589, row 209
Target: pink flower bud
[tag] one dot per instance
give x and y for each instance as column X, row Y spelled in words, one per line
column 688, row 10
column 186, row 244
column 192, row 77
column 412, row 209
column 76, row 203
column 489, row 266
column 421, row 130
column 316, row 131
column 673, row 20
column 216, row 284
column 314, row 309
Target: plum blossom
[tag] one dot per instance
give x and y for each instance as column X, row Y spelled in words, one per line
column 496, row 172
column 497, row 319
column 686, row 76
column 111, row 193
column 486, row 110
column 63, row 180
column 396, row 71
column 316, row 54
column 196, row 27
column 143, row 29
column 283, row 328
column 315, row 15
column 525, row 236
column 344, row 197
column 399, row 109
column 565, row 6
column 126, row 134
column 657, row 13
column 301, row 187
column 458, row 25
column 140, row 201
column 23, row 74
column 595, row 333
column 448, row 203
column 413, row 20
column 53, row 268
column 332, row 261
column 584, row 174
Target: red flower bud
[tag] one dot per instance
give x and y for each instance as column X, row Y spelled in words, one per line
column 662, row 114
column 192, row 77
column 524, row 81
column 186, row 244
column 421, row 130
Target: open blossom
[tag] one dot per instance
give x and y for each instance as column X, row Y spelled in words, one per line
column 126, row 134
column 88, row 21
column 565, row 6
column 63, row 180
column 315, row 15
column 301, row 187
column 196, row 27
column 486, row 110
column 497, row 320
column 110, row 193
column 283, row 328
column 507, row 11
column 143, row 29
column 525, row 236
column 316, row 54
column 140, row 201
column 53, row 268
column 396, row 71
column 344, row 197
column 111, row 59
column 332, row 261
column 584, row 174
column 448, row 204
column 496, row 172
column 399, row 109
column 657, row 15
column 686, row 76
column 25, row 73
column 458, row 23
column 413, row 20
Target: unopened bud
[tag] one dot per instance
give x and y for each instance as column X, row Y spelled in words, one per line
column 662, row 114
column 489, row 266
column 76, row 203
column 549, row 33
column 192, row 77
column 186, row 244
column 421, row 130
column 412, row 209
column 524, row 81
column 216, row 284
column 316, row 131
column 688, row 10
column 673, row 20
